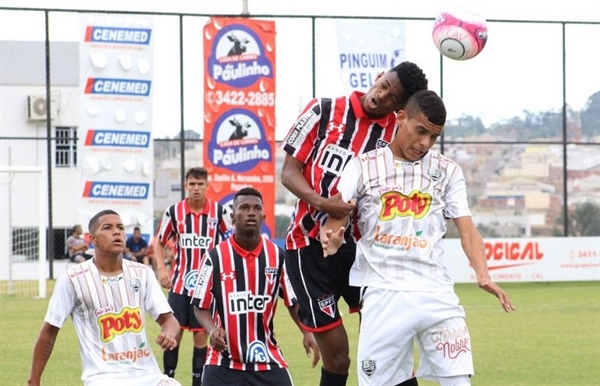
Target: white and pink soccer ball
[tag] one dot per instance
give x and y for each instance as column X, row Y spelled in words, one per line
column 460, row 34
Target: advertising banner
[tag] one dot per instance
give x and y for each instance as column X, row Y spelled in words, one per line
column 530, row 260
column 115, row 132
column 367, row 48
column 239, row 110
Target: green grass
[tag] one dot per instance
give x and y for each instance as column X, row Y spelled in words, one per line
column 552, row 339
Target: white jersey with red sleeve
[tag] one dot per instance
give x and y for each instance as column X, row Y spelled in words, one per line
column 403, row 208
column 109, row 318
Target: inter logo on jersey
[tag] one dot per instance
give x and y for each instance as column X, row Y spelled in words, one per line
column 239, row 141
column 334, row 158
column 243, row 302
column 237, row 57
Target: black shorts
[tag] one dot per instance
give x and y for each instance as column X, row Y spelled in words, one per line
column 219, row 376
column 184, row 312
column 320, row 282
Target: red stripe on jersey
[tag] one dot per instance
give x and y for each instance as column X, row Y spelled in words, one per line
column 339, row 129
column 249, row 276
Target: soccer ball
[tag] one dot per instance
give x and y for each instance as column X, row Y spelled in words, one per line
column 459, row 34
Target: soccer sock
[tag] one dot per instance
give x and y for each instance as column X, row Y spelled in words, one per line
column 409, row 382
column 170, row 358
column 332, row 379
column 198, row 359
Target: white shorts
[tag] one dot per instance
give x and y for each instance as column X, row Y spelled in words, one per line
column 140, row 378
column 392, row 320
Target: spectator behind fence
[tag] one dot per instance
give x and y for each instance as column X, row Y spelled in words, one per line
column 77, row 246
column 136, row 248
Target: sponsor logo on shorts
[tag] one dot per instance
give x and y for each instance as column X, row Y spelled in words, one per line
column 112, row 324
column 327, row 305
column 368, row 366
column 257, row 353
column 395, row 204
column 452, row 342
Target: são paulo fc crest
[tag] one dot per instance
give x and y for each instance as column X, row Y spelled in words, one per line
column 368, row 366
column 327, row 305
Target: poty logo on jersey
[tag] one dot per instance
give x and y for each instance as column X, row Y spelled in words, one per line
column 243, row 302
column 512, row 254
column 96, row 34
column 192, row 240
column 238, row 141
column 334, row 159
column 123, row 190
column 401, row 243
column 113, row 86
column 257, row 353
column 238, row 57
column 128, row 356
column 394, row 203
column 117, row 138
column 190, row 279
column 112, row 324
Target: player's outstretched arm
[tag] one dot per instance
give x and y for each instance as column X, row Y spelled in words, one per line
column 308, row 341
column 169, row 328
column 472, row 244
column 41, row 352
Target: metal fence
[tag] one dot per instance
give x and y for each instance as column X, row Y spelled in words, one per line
column 524, row 117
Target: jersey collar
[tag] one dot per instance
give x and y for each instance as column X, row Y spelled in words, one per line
column 188, row 210
column 360, row 112
column 244, row 253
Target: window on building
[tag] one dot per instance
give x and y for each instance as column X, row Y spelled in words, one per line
column 66, row 147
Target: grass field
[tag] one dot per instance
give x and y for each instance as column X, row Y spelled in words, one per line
column 552, row 339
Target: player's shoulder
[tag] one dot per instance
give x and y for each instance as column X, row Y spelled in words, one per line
column 372, row 155
column 442, row 160
column 78, row 270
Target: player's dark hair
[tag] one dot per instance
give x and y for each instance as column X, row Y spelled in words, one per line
column 75, row 228
column 248, row 191
column 137, row 229
column 93, row 224
column 430, row 104
column 411, row 77
column 199, row 173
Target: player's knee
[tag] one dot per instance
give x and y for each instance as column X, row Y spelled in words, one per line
column 339, row 363
column 459, row 380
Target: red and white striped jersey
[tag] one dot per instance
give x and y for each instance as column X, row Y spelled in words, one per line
column 403, row 208
column 326, row 135
column 243, row 287
column 194, row 234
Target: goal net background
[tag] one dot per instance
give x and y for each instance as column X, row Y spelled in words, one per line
column 23, row 219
